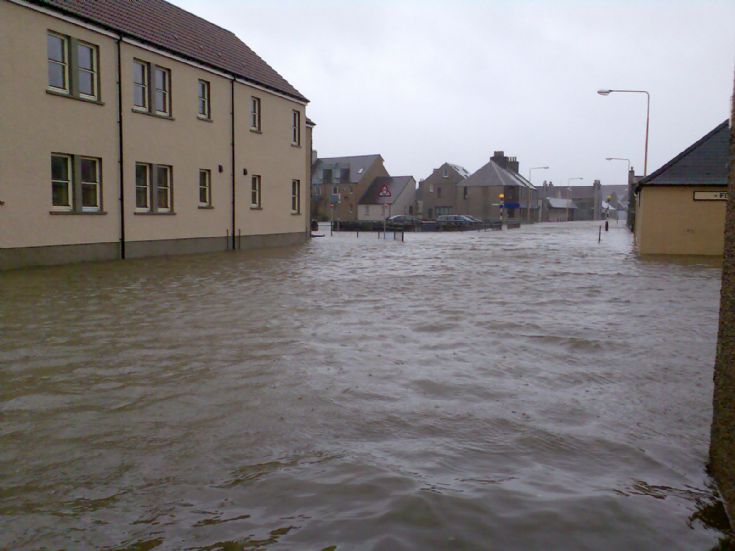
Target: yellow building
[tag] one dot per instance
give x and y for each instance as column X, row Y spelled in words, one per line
column 136, row 128
column 680, row 208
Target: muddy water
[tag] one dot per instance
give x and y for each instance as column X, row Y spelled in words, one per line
column 528, row 389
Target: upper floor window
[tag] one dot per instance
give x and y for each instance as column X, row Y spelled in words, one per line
column 255, row 114
column 205, row 108
column 75, row 183
column 162, row 83
column 73, row 67
column 438, row 192
column 151, row 88
column 431, row 188
column 296, row 128
column 445, row 172
column 464, row 192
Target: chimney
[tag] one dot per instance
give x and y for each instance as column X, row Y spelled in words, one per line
column 513, row 164
column 500, row 159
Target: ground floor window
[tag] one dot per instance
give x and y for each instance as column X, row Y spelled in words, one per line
column 153, row 188
column 441, row 211
column 255, row 192
column 76, row 183
column 205, row 188
column 295, row 196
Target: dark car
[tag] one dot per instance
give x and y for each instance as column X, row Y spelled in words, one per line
column 402, row 222
column 449, row 222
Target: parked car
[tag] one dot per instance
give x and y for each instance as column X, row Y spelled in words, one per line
column 448, row 222
column 402, row 222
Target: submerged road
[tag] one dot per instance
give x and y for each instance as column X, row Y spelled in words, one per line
column 526, row 389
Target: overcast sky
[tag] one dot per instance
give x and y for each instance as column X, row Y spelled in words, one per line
column 424, row 82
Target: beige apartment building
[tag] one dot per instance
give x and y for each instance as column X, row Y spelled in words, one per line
column 133, row 129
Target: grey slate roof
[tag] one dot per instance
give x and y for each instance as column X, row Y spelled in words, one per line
column 462, row 171
column 358, row 165
column 177, row 31
column 492, row 174
column 396, row 185
column 705, row 162
column 561, row 203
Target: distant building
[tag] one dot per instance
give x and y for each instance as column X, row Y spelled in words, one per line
column 496, row 184
column 387, row 196
column 680, row 208
column 342, row 181
column 558, row 209
column 437, row 194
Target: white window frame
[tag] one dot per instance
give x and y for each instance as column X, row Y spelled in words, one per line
column 168, row 188
column 207, row 187
column 147, row 187
column 69, row 182
column 96, row 184
column 94, row 71
column 255, row 106
column 165, row 90
column 66, row 89
column 204, row 107
column 295, row 197
column 296, row 128
column 144, row 86
column 256, row 192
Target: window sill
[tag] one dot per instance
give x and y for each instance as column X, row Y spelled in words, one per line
column 295, row 214
column 297, row 145
column 78, row 98
column 149, row 213
column 154, row 115
column 206, row 207
column 77, row 212
column 255, row 131
column 255, row 208
column 202, row 118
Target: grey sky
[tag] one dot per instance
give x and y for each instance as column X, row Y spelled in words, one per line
column 423, row 82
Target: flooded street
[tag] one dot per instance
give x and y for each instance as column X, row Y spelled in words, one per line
column 526, row 389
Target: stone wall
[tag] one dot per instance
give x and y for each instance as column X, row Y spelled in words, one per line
column 722, row 450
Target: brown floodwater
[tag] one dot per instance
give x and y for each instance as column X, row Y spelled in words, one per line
column 526, row 389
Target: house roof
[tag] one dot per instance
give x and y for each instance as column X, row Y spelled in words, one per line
column 462, row 171
column 561, row 203
column 175, row 30
column 705, row 162
column 492, row 174
column 396, row 185
column 358, row 165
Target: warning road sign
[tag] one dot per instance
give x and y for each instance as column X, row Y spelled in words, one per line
column 384, row 191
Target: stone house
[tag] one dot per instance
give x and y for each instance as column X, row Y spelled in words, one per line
column 137, row 129
column 438, row 192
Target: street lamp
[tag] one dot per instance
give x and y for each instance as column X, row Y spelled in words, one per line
column 629, row 217
column 619, row 159
column 569, row 192
column 648, row 111
column 530, row 170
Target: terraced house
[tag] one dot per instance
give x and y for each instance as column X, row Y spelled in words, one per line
column 131, row 129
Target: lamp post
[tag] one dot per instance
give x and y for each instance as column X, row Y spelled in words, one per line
column 619, row 159
column 648, row 111
column 569, row 192
column 530, row 170
column 629, row 217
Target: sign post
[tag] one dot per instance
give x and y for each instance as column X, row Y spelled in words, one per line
column 501, row 196
column 385, row 193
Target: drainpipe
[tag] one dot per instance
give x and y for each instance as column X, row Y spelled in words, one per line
column 232, row 145
column 120, row 154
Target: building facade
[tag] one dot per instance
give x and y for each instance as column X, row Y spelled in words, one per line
column 388, row 196
column 438, row 192
column 680, row 208
column 121, row 139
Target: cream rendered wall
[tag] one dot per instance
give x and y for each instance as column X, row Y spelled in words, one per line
column 669, row 221
column 184, row 142
column 271, row 155
column 33, row 124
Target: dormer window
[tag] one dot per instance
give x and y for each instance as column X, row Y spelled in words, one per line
column 445, row 172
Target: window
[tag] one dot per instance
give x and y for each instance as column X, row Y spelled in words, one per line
column 72, row 67
column 153, row 188
column 295, row 196
column 431, row 188
column 445, row 172
column 296, row 128
column 255, row 114
column 438, row 192
column 327, row 176
column 140, row 84
column 152, row 89
column 58, row 62
column 75, row 183
column 162, row 91
column 205, row 188
column 61, row 181
column 255, row 196
column 87, row 70
column 464, row 192
column 205, row 111
column 366, row 209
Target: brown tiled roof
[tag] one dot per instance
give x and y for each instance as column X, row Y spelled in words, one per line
column 170, row 28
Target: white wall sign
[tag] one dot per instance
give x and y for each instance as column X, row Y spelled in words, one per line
column 710, row 196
